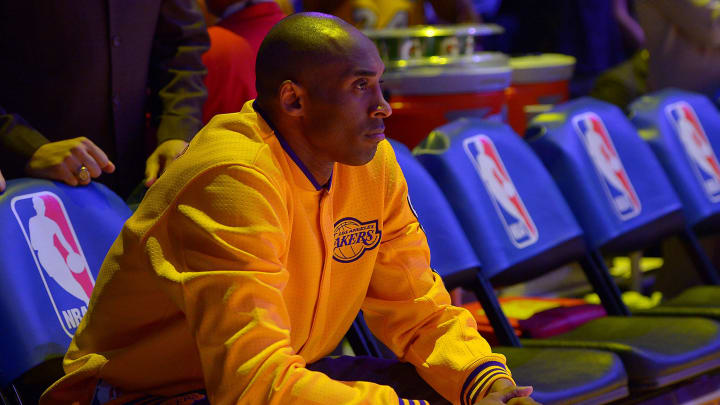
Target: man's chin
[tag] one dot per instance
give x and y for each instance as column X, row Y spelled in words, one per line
column 361, row 160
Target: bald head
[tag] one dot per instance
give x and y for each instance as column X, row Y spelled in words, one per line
column 318, row 83
column 298, row 46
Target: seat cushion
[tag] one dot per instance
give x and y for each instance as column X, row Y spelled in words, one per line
column 700, row 296
column 656, row 351
column 584, row 377
column 702, row 301
column 559, row 320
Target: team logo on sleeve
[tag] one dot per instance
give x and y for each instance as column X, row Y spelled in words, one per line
column 353, row 238
column 697, row 147
column 615, row 180
column 509, row 206
column 57, row 253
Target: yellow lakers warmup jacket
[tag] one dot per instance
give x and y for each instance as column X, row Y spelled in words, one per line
column 238, row 270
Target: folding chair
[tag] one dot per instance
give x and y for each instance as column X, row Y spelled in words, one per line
column 520, row 227
column 559, row 376
column 619, row 191
column 682, row 130
column 55, row 238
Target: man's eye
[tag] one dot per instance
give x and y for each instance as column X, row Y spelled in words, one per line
column 361, row 84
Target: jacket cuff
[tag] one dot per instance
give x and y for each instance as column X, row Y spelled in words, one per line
column 413, row 402
column 481, row 379
column 20, row 141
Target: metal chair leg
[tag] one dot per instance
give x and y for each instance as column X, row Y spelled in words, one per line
column 603, row 284
column 706, row 270
column 500, row 324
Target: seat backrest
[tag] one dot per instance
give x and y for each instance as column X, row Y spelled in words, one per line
column 608, row 175
column 507, row 204
column 683, row 130
column 451, row 254
column 55, row 238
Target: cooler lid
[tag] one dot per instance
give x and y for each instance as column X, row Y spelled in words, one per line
column 491, row 59
column 542, row 68
column 430, row 80
column 420, row 31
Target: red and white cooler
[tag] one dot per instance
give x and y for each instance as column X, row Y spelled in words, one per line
column 538, row 83
column 425, row 97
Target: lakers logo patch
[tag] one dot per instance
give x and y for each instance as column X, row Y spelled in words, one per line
column 353, row 238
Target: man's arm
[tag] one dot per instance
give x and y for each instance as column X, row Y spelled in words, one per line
column 408, row 308
column 229, row 228
column 26, row 152
column 629, row 26
column 176, row 80
column 18, row 142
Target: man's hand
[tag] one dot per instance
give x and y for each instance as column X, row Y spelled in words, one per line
column 164, row 154
column 63, row 160
column 504, row 392
column 2, row 183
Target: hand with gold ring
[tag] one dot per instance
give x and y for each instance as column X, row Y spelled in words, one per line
column 74, row 161
column 83, row 175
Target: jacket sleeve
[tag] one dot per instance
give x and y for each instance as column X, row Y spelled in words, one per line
column 408, row 308
column 18, row 142
column 176, row 70
column 229, row 228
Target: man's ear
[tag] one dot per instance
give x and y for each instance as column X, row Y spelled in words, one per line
column 292, row 98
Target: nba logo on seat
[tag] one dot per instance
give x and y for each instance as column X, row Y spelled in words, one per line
column 697, row 147
column 57, row 253
column 509, row 206
column 615, row 180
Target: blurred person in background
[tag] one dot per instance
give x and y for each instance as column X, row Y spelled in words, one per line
column 230, row 80
column 683, row 39
column 683, row 43
column 250, row 19
column 588, row 30
column 240, row 27
column 679, row 45
column 625, row 82
column 77, row 80
column 376, row 14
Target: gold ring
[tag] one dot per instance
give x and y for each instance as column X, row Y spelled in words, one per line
column 83, row 174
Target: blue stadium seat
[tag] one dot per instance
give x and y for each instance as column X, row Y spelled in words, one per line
column 548, row 370
column 55, row 238
column 683, row 130
column 510, row 208
column 607, row 201
column 653, row 209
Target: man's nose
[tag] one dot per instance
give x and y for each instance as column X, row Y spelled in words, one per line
column 381, row 110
